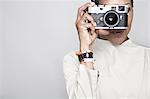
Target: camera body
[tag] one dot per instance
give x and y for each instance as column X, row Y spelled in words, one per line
column 110, row 16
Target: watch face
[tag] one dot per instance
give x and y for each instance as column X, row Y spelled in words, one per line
column 87, row 55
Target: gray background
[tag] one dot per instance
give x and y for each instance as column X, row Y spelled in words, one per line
column 34, row 37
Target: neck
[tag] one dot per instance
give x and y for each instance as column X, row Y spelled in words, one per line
column 115, row 42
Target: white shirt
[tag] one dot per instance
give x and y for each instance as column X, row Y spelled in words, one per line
column 121, row 72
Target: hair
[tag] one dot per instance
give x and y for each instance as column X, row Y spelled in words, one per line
column 132, row 3
column 97, row 1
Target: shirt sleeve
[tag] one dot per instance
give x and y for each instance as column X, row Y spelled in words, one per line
column 147, row 71
column 81, row 83
column 145, row 86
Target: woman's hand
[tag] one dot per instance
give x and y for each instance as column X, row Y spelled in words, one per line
column 86, row 27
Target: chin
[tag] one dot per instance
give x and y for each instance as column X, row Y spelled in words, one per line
column 116, row 42
column 115, row 38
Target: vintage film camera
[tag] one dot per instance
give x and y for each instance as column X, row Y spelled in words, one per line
column 110, row 16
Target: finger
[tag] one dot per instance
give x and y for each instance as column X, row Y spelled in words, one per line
column 89, row 17
column 85, row 6
column 82, row 9
column 89, row 25
column 93, row 36
column 86, row 18
column 91, row 28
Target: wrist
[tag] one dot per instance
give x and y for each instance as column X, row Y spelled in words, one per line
column 85, row 48
column 86, row 58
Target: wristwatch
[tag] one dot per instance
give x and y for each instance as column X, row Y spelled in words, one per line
column 86, row 57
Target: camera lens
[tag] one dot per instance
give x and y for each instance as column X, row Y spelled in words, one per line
column 111, row 18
